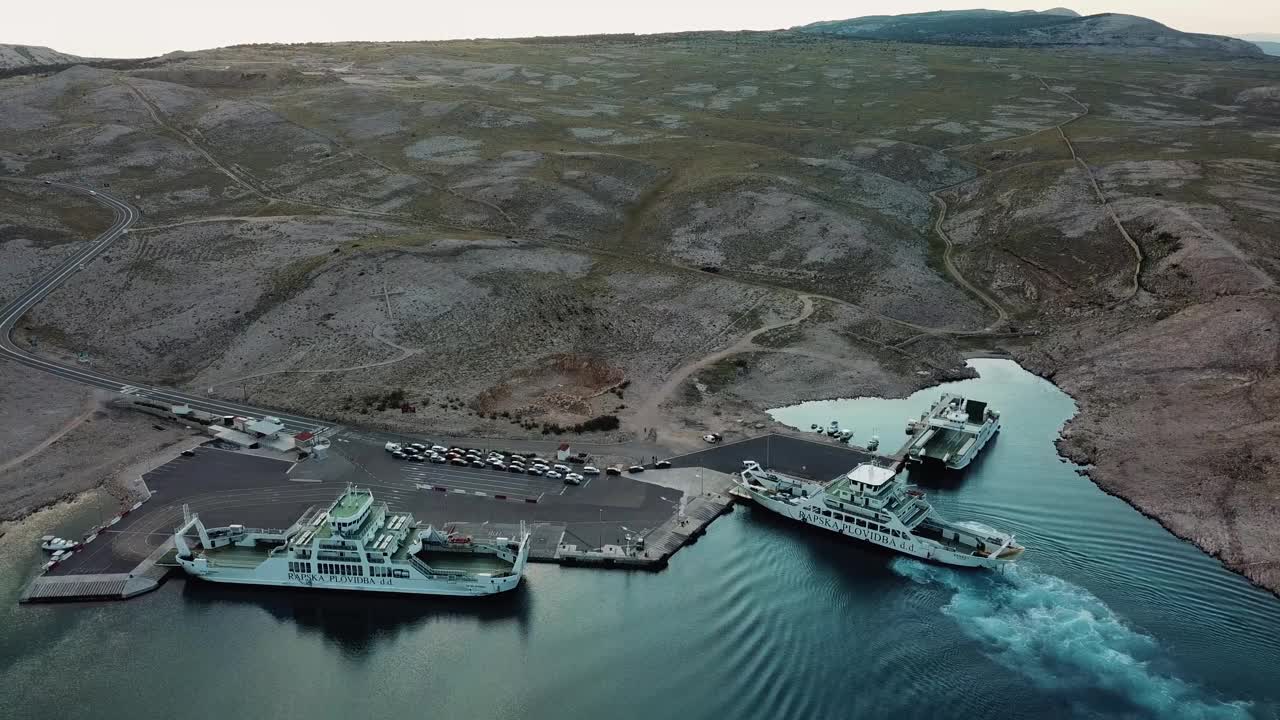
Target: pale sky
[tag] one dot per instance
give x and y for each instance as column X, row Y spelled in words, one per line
column 135, row 28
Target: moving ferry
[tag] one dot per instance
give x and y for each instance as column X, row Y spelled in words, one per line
column 874, row 504
column 354, row 544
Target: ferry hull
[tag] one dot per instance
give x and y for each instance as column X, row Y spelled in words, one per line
column 462, row 587
column 907, row 546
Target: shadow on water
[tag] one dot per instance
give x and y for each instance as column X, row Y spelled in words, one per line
column 936, row 477
column 357, row 622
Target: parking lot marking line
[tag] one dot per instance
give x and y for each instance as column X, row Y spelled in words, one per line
column 490, row 482
column 461, row 478
column 291, row 467
column 304, row 480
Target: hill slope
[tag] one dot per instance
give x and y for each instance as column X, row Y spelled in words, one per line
column 16, row 56
column 1029, row 28
column 1270, row 48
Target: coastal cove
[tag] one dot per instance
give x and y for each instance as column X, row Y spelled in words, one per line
column 1107, row 616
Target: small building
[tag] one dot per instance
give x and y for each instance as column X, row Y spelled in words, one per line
column 267, row 427
column 564, row 453
column 235, row 437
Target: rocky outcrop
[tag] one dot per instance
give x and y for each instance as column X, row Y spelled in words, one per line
column 17, row 56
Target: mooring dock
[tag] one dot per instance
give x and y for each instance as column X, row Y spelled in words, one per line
column 629, row 521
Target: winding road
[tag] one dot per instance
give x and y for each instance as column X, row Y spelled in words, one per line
column 125, row 216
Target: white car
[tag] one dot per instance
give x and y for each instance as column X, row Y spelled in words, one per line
column 712, row 438
column 439, row 449
column 392, row 447
column 573, row 479
column 501, row 467
column 563, row 469
column 590, row 470
column 554, row 475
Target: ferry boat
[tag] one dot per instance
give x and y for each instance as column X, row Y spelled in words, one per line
column 354, row 544
column 952, row 432
column 875, row 504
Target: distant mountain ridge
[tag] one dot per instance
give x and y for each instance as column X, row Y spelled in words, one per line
column 1268, row 46
column 1056, row 27
column 16, row 56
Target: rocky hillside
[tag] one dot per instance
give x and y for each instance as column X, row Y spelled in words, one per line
column 16, row 56
column 1055, row 27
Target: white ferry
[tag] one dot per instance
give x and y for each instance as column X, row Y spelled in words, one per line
column 354, row 544
column 875, row 504
column 952, row 432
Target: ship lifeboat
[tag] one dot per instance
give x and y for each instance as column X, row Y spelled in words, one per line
column 915, row 493
column 460, row 540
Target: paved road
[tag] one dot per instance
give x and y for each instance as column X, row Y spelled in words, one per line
column 125, row 215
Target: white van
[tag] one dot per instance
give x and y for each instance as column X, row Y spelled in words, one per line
column 392, row 447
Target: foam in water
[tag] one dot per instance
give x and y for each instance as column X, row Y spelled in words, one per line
column 1063, row 637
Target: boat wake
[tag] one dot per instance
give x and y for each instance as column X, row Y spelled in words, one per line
column 1063, row 637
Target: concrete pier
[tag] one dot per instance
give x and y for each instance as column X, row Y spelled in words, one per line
column 144, row 578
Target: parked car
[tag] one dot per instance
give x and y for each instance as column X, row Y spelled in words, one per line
column 458, row 461
column 399, row 455
column 392, row 447
column 477, row 464
column 636, row 469
column 438, row 448
column 437, row 459
column 416, row 458
column 553, row 475
column 188, row 453
column 662, row 464
column 562, row 468
column 712, row 438
column 573, row 479
column 534, row 471
column 613, row 471
column 418, row 446
column 500, row 467
column 515, row 468
column 590, row 470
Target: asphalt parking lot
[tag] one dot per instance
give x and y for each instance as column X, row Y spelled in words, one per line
column 227, row 487
column 812, row 458
column 216, row 483
column 481, row 482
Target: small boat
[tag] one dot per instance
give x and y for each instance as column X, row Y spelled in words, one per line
column 56, row 544
column 874, row 444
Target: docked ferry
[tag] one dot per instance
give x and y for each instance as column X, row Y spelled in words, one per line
column 952, row 432
column 875, row 504
column 354, row 544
